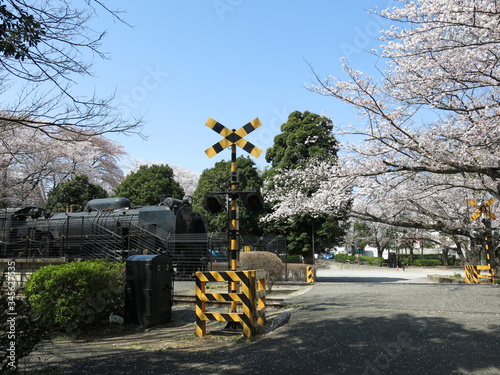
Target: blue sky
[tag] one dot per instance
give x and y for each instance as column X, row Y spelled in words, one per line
column 183, row 62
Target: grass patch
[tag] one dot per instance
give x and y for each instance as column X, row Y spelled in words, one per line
column 280, row 291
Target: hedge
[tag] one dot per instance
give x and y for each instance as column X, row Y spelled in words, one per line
column 361, row 259
column 370, row 260
column 422, row 260
column 436, row 260
column 77, row 295
column 427, row 262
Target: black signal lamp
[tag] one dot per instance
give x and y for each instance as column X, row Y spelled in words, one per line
column 254, row 202
column 212, row 203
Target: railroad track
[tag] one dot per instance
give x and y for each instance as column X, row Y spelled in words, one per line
column 188, row 298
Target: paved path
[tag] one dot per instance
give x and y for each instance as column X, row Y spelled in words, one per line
column 355, row 273
column 350, row 322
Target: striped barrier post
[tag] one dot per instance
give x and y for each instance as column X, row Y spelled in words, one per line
column 473, row 275
column 310, row 277
column 251, row 299
column 486, row 277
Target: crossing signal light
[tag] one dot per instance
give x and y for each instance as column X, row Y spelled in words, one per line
column 212, row 203
column 254, row 202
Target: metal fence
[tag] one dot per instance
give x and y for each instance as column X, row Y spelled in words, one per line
column 218, row 246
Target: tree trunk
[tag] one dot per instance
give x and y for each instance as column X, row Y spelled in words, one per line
column 308, row 258
column 461, row 255
column 445, row 256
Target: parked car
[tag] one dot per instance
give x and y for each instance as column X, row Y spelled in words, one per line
column 217, row 256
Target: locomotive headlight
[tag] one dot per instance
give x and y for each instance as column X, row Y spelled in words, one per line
column 187, row 199
column 476, row 232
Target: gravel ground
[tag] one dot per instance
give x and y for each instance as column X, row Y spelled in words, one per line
column 349, row 322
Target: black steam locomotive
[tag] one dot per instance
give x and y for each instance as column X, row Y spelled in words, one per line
column 109, row 229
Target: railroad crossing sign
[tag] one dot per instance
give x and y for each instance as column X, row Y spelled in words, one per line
column 233, row 137
column 484, row 208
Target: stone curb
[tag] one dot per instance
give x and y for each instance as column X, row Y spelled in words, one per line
column 445, row 279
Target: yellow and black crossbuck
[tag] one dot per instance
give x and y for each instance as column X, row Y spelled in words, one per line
column 482, row 209
column 233, row 137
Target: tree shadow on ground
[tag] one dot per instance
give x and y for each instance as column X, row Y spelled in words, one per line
column 367, row 343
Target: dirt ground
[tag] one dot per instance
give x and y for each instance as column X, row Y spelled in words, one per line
column 179, row 333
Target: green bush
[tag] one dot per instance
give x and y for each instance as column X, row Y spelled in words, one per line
column 370, row 260
column 405, row 259
column 427, row 262
column 20, row 330
column 265, row 260
column 341, row 257
column 361, row 259
column 77, row 295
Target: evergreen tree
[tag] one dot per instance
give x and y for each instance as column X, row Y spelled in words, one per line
column 303, row 137
column 74, row 194
column 306, row 139
column 218, row 179
column 148, row 184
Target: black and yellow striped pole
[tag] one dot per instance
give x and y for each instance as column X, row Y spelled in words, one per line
column 488, row 244
column 233, row 138
column 233, row 229
column 234, row 226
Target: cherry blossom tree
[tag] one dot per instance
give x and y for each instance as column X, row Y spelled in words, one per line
column 303, row 202
column 379, row 235
column 430, row 138
column 31, row 163
column 308, row 205
column 45, row 49
column 435, row 109
column 186, row 178
column 309, row 190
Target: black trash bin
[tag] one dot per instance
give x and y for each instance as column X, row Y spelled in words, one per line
column 148, row 290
